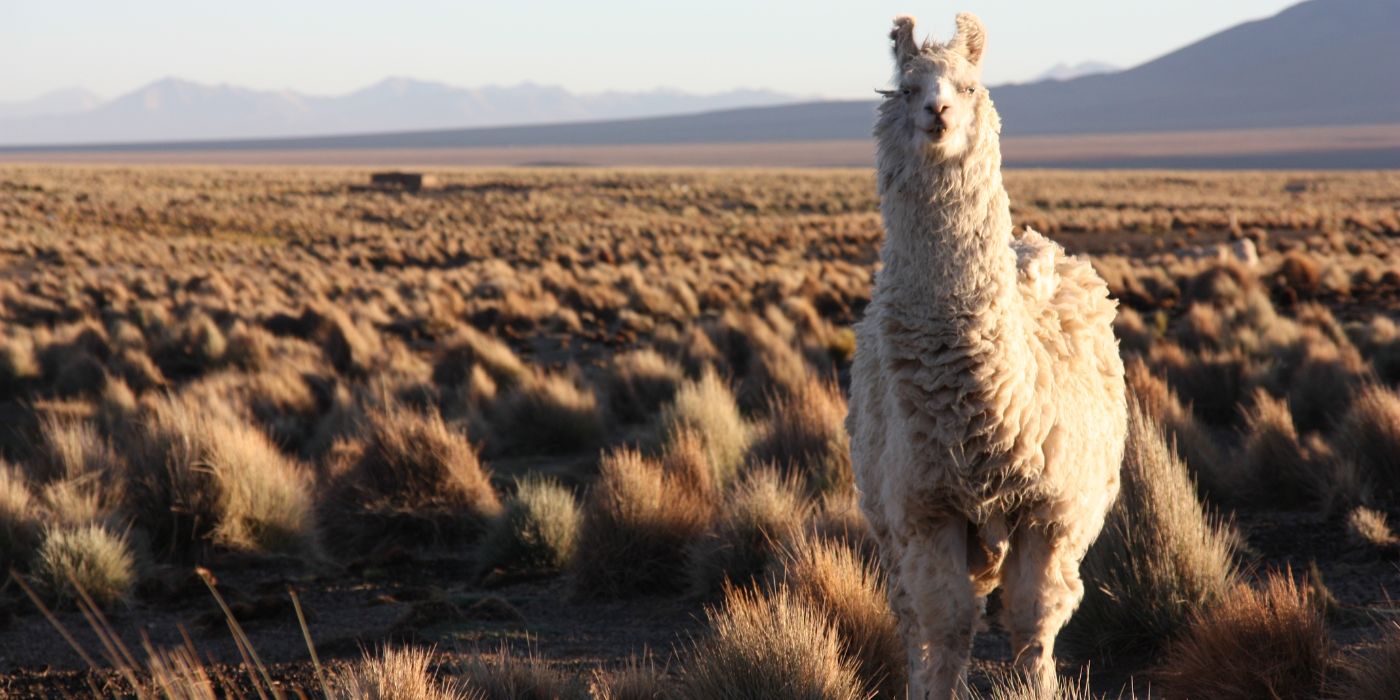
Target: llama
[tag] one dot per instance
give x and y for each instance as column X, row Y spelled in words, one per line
column 987, row 413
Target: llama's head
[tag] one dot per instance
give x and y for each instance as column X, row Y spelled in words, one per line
column 938, row 108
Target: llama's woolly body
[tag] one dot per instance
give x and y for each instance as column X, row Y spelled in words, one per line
column 987, row 401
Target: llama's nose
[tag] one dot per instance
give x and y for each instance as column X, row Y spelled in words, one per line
column 936, row 108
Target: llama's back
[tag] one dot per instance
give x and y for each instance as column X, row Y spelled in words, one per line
column 1071, row 314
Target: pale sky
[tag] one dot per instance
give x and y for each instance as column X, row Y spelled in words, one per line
column 325, row 47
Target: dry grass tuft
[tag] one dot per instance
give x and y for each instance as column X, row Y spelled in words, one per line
column 506, row 676
column 1266, row 643
column 201, row 474
column 19, row 364
column 86, row 558
column 1016, row 686
column 761, row 513
column 73, row 450
column 537, row 530
column 805, row 434
column 640, row 382
column 1369, row 436
column 1159, row 559
column 547, row 413
column 19, row 517
column 396, row 674
column 469, row 348
column 1325, row 383
column 1367, row 528
column 1375, row 674
column 416, row 481
column 1274, row 459
column 354, row 349
column 1134, row 335
column 638, row 524
column 1192, row 441
column 835, row 579
column 707, row 407
column 638, row 679
column 761, row 646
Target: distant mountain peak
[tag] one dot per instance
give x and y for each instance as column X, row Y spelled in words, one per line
column 1067, row 71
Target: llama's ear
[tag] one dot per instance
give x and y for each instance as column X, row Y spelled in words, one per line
column 971, row 38
column 905, row 47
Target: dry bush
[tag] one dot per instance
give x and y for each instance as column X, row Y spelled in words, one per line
column 638, row 524
column 19, row 365
column 1213, row 383
column 638, row 679
column 707, row 407
column 396, row 674
column 72, row 449
column 1201, row 329
column 1191, row 440
column 1017, row 686
column 1374, row 674
column 685, row 459
column 761, row 646
column 640, row 382
column 506, row 676
column 760, row 514
column 87, row 558
column 1221, row 284
column 416, row 481
column 1367, row 529
column 1369, row 437
column 1298, row 276
column 1323, row 386
column 805, row 434
column 1273, row 457
column 1270, row 642
column 354, row 349
column 76, row 502
column 838, row 518
column 1159, row 559
column 138, row 370
column 1134, row 336
column 833, row 578
column 537, row 530
column 469, row 348
column 19, row 517
column 249, row 347
column 762, row 361
column 546, row 413
column 200, row 473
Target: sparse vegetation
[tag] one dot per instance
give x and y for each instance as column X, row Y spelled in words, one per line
column 86, row 558
column 769, row 645
column 638, row 524
column 538, row 528
column 1270, row 642
column 760, row 515
column 399, row 402
column 396, row 674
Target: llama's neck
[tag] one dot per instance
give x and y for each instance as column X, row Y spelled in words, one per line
column 947, row 251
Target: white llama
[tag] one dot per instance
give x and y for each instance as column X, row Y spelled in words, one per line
column 987, row 401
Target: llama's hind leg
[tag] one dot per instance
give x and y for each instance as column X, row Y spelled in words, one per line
column 1041, row 589
column 936, row 578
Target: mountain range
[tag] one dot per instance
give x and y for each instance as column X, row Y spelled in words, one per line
column 177, row 110
column 1318, row 63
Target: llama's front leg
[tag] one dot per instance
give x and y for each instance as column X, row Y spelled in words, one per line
column 1041, row 590
column 936, row 579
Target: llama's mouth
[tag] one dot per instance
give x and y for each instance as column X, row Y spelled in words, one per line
column 936, row 131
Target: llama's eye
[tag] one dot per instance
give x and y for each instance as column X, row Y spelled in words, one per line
column 906, row 91
column 969, row 89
